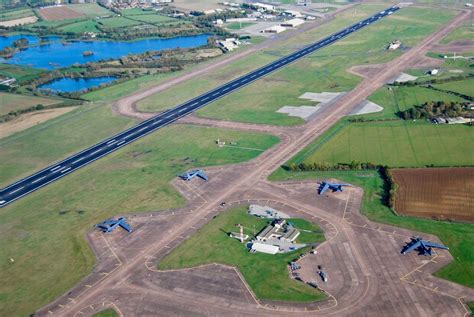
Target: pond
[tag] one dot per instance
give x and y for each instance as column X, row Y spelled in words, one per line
column 58, row 54
column 76, row 84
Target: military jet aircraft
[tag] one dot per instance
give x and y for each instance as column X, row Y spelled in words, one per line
column 422, row 246
column 110, row 225
column 335, row 187
column 191, row 174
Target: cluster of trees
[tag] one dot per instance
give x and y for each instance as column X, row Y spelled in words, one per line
column 435, row 108
column 324, row 166
column 390, row 187
column 433, row 81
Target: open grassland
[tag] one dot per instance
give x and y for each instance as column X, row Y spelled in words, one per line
column 396, row 144
column 118, row 22
column 439, row 193
column 20, row 73
column 90, row 9
column 457, row 236
column 465, row 87
column 80, row 27
column 462, row 33
column 13, row 102
column 266, row 274
column 53, row 221
column 13, row 14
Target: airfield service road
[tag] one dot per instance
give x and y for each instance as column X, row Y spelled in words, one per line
column 367, row 275
column 56, row 171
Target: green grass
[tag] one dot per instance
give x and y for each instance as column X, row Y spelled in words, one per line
column 53, row 220
column 106, row 313
column 398, row 144
column 458, row 236
column 35, row 148
column 90, row 9
column 20, row 73
column 7, row 15
column 461, row 33
column 12, row 102
column 80, row 27
column 156, row 19
column 471, row 307
column 465, row 87
column 266, row 274
column 238, row 25
column 402, row 98
column 118, row 22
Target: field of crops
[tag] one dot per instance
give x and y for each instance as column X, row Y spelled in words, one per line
column 440, row 193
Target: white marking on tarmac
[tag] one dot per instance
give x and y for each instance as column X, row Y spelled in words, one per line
column 16, row 190
column 55, row 168
column 120, row 143
column 38, row 180
column 78, row 160
column 64, row 171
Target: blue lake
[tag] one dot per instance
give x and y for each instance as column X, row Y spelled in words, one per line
column 76, row 84
column 57, row 54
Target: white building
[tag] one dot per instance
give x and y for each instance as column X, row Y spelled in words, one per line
column 229, row 44
column 264, row 248
column 292, row 23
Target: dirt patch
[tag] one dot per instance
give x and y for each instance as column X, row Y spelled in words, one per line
column 402, row 78
column 21, row 21
column 59, row 13
column 441, row 193
column 28, row 120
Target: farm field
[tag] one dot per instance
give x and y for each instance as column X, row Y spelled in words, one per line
column 90, row 9
column 264, row 273
column 59, row 13
column 396, row 144
column 54, row 219
column 14, row 14
column 457, row 236
column 465, row 87
column 12, row 102
column 80, row 27
column 20, row 73
column 439, row 193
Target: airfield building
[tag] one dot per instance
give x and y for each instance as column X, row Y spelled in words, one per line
column 292, row 23
column 278, row 230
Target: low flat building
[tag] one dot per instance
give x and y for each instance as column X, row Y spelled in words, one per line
column 264, row 248
column 274, row 29
column 292, row 23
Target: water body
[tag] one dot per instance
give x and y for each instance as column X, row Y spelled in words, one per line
column 76, row 84
column 57, row 54
column 32, row 39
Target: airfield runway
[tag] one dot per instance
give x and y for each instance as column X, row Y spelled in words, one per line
column 56, row 171
column 368, row 276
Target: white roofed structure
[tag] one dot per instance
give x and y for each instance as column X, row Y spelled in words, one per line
column 264, row 248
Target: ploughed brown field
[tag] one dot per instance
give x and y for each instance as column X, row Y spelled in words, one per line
column 59, row 13
column 441, row 193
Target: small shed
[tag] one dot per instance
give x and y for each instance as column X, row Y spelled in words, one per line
column 264, row 248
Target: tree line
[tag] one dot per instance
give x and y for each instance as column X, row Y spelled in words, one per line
column 432, row 109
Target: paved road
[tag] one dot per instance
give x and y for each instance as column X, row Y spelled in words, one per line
column 67, row 166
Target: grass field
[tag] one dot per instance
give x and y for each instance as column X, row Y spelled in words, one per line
column 403, row 98
column 397, row 144
column 461, row 33
column 106, row 313
column 12, row 102
column 465, row 87
column 54, row 219
column 118, row 22
column 13, row 14
column 80, row 27
column 90, row 9
column 20, row 73
column 266, row 274
column 238, row 25
column 457, row 236
column 440, row 193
